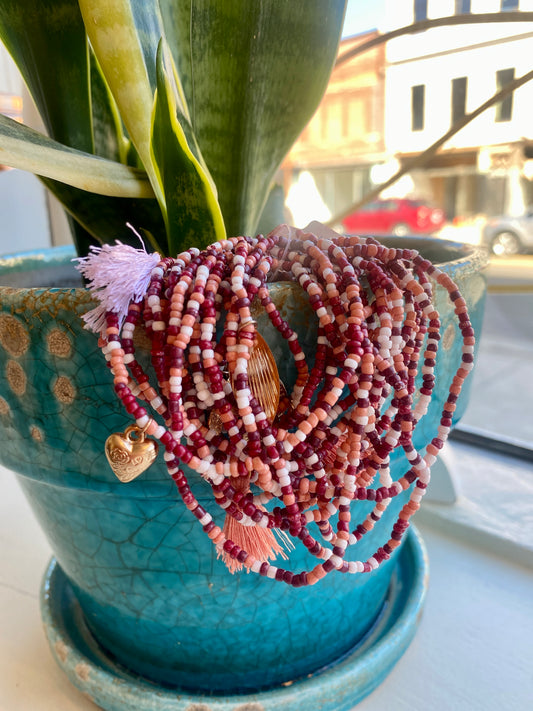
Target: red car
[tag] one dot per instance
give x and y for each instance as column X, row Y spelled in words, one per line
column 394, row 217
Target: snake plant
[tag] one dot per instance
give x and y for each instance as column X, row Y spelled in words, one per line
column 172, row 115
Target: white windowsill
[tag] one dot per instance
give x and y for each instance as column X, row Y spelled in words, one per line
column 494, row 505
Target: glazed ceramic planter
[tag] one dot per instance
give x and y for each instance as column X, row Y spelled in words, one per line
column 146, row 579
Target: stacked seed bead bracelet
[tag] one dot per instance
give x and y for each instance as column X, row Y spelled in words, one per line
column 357, row 403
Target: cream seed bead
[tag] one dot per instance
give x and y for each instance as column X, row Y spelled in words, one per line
column 206, row 518
column 113, row 345
column 423, row 474
column 337, row 562
column 284, row 480
column 218, row 479
column 356, row 566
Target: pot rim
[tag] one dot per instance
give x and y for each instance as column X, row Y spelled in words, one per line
column 470, row 258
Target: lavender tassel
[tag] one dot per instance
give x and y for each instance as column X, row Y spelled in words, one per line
column 116, row 275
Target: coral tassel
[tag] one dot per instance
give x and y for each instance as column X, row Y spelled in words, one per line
column 257, row 541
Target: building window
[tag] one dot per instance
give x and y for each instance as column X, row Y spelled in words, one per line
column 462, row 7
column 509, row 4
column 504, row 110
column 421, row 10
column 418, row 96
column 458, row 99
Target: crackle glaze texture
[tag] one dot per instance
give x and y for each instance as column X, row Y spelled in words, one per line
column 148, row 580
column 336, row 688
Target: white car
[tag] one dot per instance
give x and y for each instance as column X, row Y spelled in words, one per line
column 505, row 236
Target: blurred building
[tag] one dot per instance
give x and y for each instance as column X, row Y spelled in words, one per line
column 333, row 157
column 388, row 104
column 434, row 78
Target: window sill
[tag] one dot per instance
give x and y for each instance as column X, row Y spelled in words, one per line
column 494, row 502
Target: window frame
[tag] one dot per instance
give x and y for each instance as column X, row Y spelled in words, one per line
column 418, row 107
column 504, row 108
column 463, row 7
column 459, row 91
column 420, row 10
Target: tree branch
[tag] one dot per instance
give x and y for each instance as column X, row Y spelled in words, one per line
column 473, row 19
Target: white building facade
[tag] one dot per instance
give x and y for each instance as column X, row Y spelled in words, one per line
column 436, row 77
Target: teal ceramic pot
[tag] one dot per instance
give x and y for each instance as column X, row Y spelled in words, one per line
column 147, row 579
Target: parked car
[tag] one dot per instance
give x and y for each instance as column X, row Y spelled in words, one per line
column 395, row 217
column 505, row 236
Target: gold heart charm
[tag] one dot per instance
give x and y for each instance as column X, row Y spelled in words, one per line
column 129, row 454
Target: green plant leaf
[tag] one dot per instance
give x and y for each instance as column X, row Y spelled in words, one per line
column 105, row 218
column 194, row 217
column 48, row 43
column 253, row 74
column 111, row 29
column 109, row 139
column 82, row 239
column 148, row 23
column 274, row 211
column 22, row 147
column 176, row 18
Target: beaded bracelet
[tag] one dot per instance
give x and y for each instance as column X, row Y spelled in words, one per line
column 330, row 444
